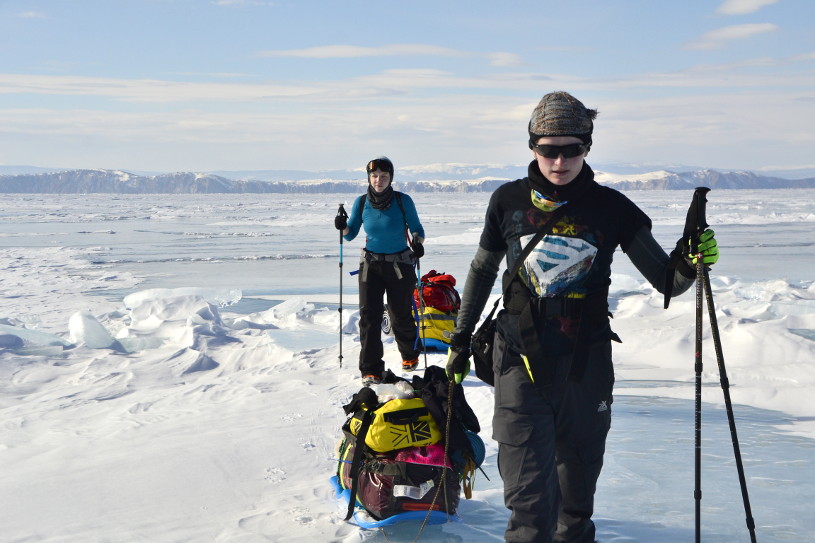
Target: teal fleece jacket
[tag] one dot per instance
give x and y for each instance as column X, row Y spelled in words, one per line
column 385, row 229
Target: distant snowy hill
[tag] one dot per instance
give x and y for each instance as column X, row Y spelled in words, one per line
column 668, row 180
column 433, row 178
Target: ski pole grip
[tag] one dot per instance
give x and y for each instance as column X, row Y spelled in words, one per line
column 341, row 213
column 696, row 221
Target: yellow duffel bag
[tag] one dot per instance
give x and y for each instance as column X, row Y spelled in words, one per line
column 437, row 325
column 398, row 424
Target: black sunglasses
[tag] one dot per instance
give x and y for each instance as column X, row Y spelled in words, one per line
column 553, row 151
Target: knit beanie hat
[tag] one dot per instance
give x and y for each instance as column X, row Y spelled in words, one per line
column 561, row 114
column 381, row 163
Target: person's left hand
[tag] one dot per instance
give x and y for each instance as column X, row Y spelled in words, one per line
column 705, row 245
column 416, row 246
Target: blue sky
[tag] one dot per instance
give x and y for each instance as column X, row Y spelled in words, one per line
column 198, row 85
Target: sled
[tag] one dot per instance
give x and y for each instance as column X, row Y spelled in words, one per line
column 435, row 345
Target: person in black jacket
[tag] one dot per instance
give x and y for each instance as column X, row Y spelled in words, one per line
column 552, row 350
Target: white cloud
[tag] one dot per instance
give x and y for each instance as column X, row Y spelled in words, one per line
column 692, row 127
column 804, row 57
column 31, row 15
column 721, row 36
column 741, row 7
column 389, row 83
column 399, row 84
column 241, row 3
column 146, row 90
column 354, row 51
column 394, row 85
column 504, row 60
column 499, row 59
column 237, row 122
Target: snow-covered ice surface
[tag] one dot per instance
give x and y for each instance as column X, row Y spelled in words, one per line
column 170, row 371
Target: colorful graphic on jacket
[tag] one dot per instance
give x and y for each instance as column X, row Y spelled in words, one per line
column 557, row 264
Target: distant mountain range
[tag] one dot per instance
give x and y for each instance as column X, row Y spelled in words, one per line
column 435, row 178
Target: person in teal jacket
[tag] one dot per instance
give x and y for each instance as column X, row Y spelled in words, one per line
column 386, row 267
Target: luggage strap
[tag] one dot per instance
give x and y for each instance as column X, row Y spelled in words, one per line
column 367, row 417
column 591, row 308
column 382, row 257
column 403, row 257
column 527, row 250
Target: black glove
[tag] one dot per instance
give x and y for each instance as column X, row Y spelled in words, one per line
column 458, row 357
column 340, row 222
column 416, row 245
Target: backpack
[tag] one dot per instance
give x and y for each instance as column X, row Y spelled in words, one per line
column 438, row 292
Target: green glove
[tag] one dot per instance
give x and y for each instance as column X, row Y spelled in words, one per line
column 706, row 245
column 458, row 357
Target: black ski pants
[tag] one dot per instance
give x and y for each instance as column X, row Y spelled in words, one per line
column 551, row 445
column 378, row 280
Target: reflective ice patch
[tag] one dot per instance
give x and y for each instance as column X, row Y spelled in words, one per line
column 557, row 262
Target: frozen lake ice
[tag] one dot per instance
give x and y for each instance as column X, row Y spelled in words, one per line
column 229, row 390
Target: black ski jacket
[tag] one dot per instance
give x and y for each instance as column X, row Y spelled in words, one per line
column 572, row 260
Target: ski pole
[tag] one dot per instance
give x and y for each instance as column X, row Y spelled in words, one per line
column 697, row 493
column 420, row 290
column 420, row 336
column 341, row 213
column 695, row 224
column 696, row 217
column 717, row 344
